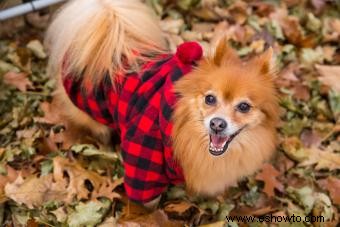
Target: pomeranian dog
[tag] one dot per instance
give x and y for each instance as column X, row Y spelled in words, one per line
column 182, row 118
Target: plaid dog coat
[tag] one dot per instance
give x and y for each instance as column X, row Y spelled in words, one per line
column 139, row 107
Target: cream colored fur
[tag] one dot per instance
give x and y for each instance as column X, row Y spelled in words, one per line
column 97, row 36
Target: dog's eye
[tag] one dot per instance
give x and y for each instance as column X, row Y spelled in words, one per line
column 210, row 100
column 243, row 107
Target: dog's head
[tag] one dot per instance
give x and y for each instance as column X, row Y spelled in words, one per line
column 224, row 98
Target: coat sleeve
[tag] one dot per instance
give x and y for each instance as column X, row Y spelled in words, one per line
column 142, row 151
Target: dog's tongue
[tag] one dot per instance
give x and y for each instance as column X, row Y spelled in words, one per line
column 218, row 141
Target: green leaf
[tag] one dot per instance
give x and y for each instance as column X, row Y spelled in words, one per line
column 303, row 196
column 294, row 126
column 310, row 56
column 46, row 167
column 224, row 211
column 250, row 198
column 88, row 214
column 275, row 29
column 91, row 150
column 323, row 207
column 313, row 23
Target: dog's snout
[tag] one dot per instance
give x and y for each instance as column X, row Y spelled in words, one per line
column 218, row 124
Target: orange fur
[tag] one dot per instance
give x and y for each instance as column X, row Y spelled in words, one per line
column 231, row 81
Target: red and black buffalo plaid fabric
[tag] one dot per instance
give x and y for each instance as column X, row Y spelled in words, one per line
column 139, row 107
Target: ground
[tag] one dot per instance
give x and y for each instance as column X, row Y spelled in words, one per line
column 51, row 178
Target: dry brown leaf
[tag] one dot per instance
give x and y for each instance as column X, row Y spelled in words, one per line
column 268, row 175
column 310, row 138
column 328, row 52
column 330, row 76
column 324, row 159
column 65, row 138
column 292, row 29
column 18, row 80
column 68, row 181
column 137, row 215
column 207, row 13
column 332, row 184
column 262, row 8
column 78, row 178
column 301, row 92
column 183, row 210
column 51, row 115
column 263, row 205
column 335, row 24
column 318, row 5
column 238, row 12
column 34, row 191
column 11, row 175
column 172, row 26
column 283, row 163
column 154, row 219
column 287, row 77
column 26, row 133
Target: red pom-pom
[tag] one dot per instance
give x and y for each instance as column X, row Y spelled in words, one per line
column 189, row 52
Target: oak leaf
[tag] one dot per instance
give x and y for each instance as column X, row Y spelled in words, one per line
column 268, row 175
column 332, row 184
column 330, row 76
column 18, row 80
column 68, row 181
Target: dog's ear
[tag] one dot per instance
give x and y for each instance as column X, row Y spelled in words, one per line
column 224, row 53
column 266, row 61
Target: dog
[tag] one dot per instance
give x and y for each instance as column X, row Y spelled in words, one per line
column 206, row 121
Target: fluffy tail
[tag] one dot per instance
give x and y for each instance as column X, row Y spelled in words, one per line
column 102, row 36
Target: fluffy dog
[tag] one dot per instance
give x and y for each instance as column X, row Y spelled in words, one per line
column 206, row 121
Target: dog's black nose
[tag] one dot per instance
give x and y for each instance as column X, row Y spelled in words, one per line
column 218, row 124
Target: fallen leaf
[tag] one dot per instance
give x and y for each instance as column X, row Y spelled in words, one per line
column 51, row 115
column 238, row 12
column 318, row 5
column 82, row 183
column 207, row 13
column 215, row 224
column 9, row 176
column 172, row 26
column 68, row 135
column 301, row 92
column 60, row 214
column 154, row 219
column 88, row 214
column 18, row 80
column 310, row 138
column 268, row 175
column 137, row 215
column 324, row 159
column 330, row 76
column 332, row 185
column 34, row 191
column 37, row 48
column 181, row 210
column 69, row 181
column 304, row 196
column 108, row 222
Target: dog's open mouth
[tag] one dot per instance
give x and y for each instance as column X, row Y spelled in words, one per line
column 219, row 143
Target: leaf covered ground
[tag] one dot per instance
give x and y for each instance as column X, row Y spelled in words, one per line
column 52, row 174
